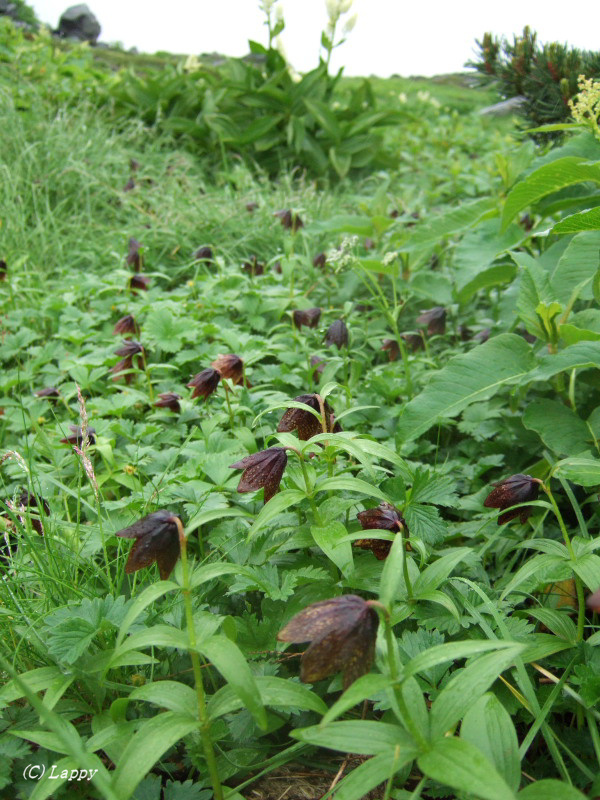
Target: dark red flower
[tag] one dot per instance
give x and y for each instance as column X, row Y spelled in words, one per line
column 289, row 219
column 262, row 470
column 394, row 214
column 385, row 517
column 230, row 366
column 320, row 260
column 3, row 269
column 593, row 601
column 129, row 185
column 337, row 334
column 342, row 632
column 134, row 164
column 392, row 347
column 511, row 491
column 126, row 324
column 51, row 392
column 414, row 341
column 251, row 207
column 139, row 281
column 310, row 317
column 319, row 366
column 134, row 257
column 307, row 425
column 76, row 438
column 435, row 319
column 204, row 383
column 465, row 333
column 253, row 266
column 277, row 267
column 156, row 539
column 369, row 244
column 169, row 400
column 482, row 336
column 526, row 222
column 128, row 350
column 204, row 254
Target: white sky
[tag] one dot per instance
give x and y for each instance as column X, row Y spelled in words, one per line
column 407, row 37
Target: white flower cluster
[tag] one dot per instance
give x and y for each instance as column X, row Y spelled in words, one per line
column 425, row 97
column 586, row 106
column 389, row 258
column 343, row 256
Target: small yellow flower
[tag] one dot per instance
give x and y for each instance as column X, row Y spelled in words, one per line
column 129, row 469
column 585, row 107
column 41, row 420
column 190, row 283
column 137, row 679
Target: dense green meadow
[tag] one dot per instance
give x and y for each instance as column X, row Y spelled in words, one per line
column 380, row 315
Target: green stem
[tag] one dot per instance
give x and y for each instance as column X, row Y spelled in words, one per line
column 569, row 546
column 150, row 389
column 311, row 499
column 395, row 676
column 405, row 574
column 228, row 403
column 207, row 744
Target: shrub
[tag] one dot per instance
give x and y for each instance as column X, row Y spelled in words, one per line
column 546, row 75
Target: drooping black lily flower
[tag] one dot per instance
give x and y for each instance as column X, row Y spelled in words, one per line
column 385, row 517
column 262, row 470
column 305, row 423
column 511, row 491
column 134, row 164
column 134, row 257
column 320, row 260
column 289, row 219
column 309, row 317
column 129, row 186
column 230, row 366
column 204, row 254
column 76, row 436
column 126, row 324
column 50, row 392
column 319, row 366
column 169, row 400
column 156, row 539
column 254, row 266
column 414, row 341
column 29, row 500
column 435, row 319
column 128, row 350
column 204, row 383
column 139, row 281
column 593, row 601
column 251, row 207
column 337, row 334
column 392, row 347
column 3, row 269
column 342, row 632
column 482, row 336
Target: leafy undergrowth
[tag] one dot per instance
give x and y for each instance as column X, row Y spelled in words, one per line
column 392, row 365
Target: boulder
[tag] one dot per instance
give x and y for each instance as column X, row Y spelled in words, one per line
column 78, row 22
column 511, row 106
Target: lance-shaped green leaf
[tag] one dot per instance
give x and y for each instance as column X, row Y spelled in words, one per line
column 583, row 221
column 582, row 355
column 446, row 224
column 546, row 180
column 478, row 375
column 488, row 726
column 460, row 765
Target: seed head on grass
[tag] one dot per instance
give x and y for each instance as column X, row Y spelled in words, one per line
column 77, row 436
column 342, row 632
column 262, row 470
column 156, row 539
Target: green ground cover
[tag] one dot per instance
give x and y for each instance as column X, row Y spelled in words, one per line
column 457, row 344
